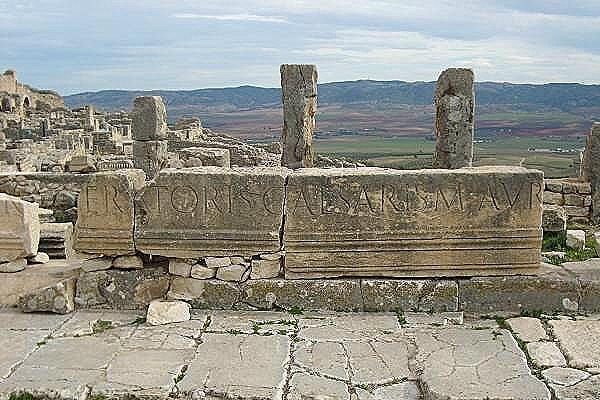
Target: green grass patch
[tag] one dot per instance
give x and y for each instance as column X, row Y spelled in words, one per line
column 101, row 325
column 557, row 241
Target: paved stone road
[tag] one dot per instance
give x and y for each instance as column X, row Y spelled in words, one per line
column 266, row 355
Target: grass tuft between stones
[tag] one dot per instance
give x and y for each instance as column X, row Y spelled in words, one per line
column 100, row 326
column 21, row 396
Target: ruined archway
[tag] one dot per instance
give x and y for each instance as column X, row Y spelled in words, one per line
column 26, row 103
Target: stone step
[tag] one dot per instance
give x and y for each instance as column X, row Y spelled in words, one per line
column 33, row 278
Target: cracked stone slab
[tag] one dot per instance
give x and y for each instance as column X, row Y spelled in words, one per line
column 311, row 387
column 176, row 336
column 527, row 329
column 238, row 366
column 261, row 322
column 401, row 391
column 564, row 376
column 148, row 369
column 588, row 389
column 546, row 354
column 64, row 364
column 327, row 359
column 21, row 345
column 14, row 320
column 443, row 318
column 458, row 363
column 346, row 327
column 377, row 362
column 83, row 322
column 580, row 340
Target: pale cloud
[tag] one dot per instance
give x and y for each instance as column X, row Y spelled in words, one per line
column 234, row 17
column 187, row 44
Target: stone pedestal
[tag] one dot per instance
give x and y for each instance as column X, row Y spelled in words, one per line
column 299, row 95
column 454, row 121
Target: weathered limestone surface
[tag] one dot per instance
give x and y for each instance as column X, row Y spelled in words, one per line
column 554, row 218
column 58, row 298
column 580, row 340
column 211, row 211
column 465, row 364
column 106, row 213
column 150, row 156
column 238, row 367
column 552, row 289
column 148, row 119
column 415, row 295
column 527, row 329
column 19, row 228
column 546, row 354
column 299, row 95
column 122, row 289
column 205, row 156
column 380, row 222
column 161, row 312
column 591, row 168
column 33, row 279
column 455, row 122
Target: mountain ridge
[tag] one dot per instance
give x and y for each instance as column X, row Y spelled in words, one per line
column 561, row 96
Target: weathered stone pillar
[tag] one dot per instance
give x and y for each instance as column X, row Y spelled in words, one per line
column 2, row 140
column 454, row 119
column 299, row 95
column 591, row 168
column 149, row 131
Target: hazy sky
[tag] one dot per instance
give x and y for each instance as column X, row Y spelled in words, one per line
column 80, row 45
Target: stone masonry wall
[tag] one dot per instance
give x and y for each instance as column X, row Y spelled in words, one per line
column 573, row 195
column 55, row 191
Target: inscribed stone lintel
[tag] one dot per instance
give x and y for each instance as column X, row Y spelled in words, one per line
column 105, row 218
column 211, row 211
column 393, row 223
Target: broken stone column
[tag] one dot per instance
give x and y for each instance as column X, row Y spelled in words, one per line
column 299, row 95
column 149, row 130
column 2, row 140
column 591, row 168
column 454, row 120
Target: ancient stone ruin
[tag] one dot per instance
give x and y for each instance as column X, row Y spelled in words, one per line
column 299, row 92
column 455, row 119
column 178, row 212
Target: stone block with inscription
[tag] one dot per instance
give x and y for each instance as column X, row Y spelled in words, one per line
column 393, row 223
column 106, row 213
column 211, row 211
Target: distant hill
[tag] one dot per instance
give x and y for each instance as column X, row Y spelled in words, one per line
column 562, row 96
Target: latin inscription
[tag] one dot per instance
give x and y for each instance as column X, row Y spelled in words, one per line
column 370, row 199
column 231, row 200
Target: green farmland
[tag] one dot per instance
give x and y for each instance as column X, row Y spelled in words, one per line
column 411, row 152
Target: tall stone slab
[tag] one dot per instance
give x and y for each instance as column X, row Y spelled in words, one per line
column 591, row 168
column 372, row 222
column 19, row 228
column 150, row 156
column 454, row 119
column 105, row 220
column 211, row 211
column 149, row 131
column 299, row 95
column 149, row 118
